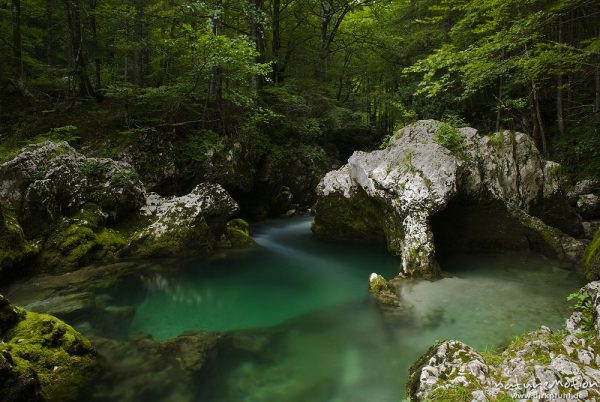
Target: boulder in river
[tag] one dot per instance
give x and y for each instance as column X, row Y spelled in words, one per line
column 435, row 187
column 190, row 224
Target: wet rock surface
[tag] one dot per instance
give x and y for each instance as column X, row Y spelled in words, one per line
column 394, row 193
column 537, row 364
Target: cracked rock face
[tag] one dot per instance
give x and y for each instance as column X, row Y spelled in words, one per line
column 394, row 193
column 50, row 180
column 542, row 362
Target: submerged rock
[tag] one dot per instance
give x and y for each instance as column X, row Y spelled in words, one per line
column 541, row 362
column 185, row 225
column 42, row 358
column 142, row 366
column 383, row 291
column 428, row 168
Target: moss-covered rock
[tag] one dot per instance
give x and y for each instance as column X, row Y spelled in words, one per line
column 44, row 359
column 239, row 234
column 540, row 362
column 79, row 241
column 15, row 250
column 591, row 260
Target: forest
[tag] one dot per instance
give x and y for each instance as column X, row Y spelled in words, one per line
column 299, row 200
column 307, row 73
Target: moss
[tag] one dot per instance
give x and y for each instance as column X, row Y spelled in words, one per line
column 195, row 238
column 62, row 359
column 450, row 138
column 15, row 250
column 591, row 259
column 357, row 219
column 456, row 393
column 80, row 241
column 492, row 357
column 238, row 233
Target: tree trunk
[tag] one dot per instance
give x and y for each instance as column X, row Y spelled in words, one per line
column 258, row 36
column 96, row 46
column 538, row 115
column 216, row 82
column 276, row 43
column 560, row 120
column 73, row 11
column 49, row 33
column 499, row 111
column 138, row 38
column 324, row 45
column 597, row 79
column 17, row 41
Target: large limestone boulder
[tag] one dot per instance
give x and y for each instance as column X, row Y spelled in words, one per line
column 434, row 186
column 50, row 180
column 190, row 224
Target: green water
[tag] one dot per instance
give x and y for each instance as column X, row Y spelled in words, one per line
column 289, row 275
column 296, row 319
column 325, row 339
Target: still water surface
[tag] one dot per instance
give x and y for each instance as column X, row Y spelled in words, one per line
column 333, row 343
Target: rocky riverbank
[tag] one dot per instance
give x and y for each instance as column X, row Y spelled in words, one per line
column 536, row 364
column 60, row 211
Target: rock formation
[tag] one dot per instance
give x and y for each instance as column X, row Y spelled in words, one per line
column 67, row 211
column 434, row 187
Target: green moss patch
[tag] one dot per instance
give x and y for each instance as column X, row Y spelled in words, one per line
column 15, row 250
column 591, row 259
column 80, row 241
column 62, row 359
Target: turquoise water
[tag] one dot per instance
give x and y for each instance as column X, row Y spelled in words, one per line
column 321, row 338
column 289, row 275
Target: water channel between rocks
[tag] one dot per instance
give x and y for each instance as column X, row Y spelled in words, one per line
column 329, row 342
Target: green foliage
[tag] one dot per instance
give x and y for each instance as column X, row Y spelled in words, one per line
column 450, row 138
column 124, row 177
column 579, row 150
column 497, row 139
column 202, row 144
column 583, row 304
column 91, row 168
column 407, row 161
